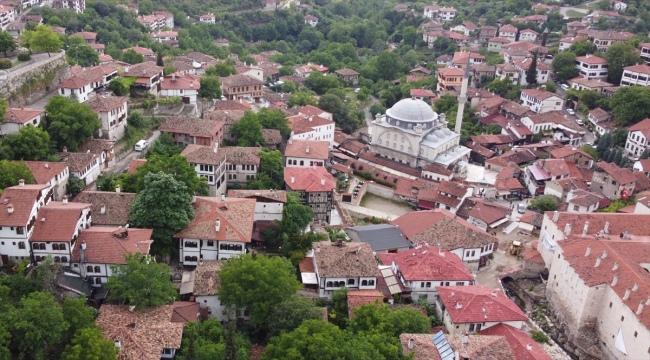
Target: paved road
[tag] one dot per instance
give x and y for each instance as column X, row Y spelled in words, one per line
column 40, row 103
column 123, row 164
column 564, row 9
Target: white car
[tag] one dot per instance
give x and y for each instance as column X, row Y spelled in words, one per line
column 564, row 86
column 579, row 122
column 141, row 145
column 570, row 112
column 357, row 90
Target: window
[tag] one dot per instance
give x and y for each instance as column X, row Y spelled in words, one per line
column 61, row 246
column 20, row 230
column 364, row 282
column 576, row 208
column 473, row 252
column 460, row 283
column 428, row 284
column 21, row 245
column 610, row 304
column 622, row 318
column 55, row 246
column 478, row 327
column 210, row 242
column 64, row 259
column 57, row 259
column 329, row 284
column 371, row 282
column 350, row 281
column 471, row 327
column 97, row 269
column 89, row 269
column 635, row 334
column 98, row 281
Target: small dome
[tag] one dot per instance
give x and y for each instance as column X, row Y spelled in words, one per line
column 412, row 110
column 431, row 138
column 439, row 134
column 446, row 131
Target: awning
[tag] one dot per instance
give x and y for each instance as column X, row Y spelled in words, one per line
column 426, row 205
column 497, row 223
column 309, row 278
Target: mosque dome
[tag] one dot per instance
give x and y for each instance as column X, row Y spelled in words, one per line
column 412, row 110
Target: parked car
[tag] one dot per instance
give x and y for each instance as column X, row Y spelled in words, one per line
column 579, row 122
column 141, row 145
column 570, row 112
column 521, row 208
column 564, row 86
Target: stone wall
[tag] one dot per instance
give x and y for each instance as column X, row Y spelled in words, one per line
column 380, row 190
column 30, row 82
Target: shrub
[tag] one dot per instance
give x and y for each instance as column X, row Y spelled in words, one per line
column 5, row 64
column 531, row 288
column 24, row 56
column 539, row 337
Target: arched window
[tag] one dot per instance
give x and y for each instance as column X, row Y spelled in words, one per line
column 401, row 148
column 97, row 269
column 402, row 139
column 223, row 247
column 329, row 284
column 371, row 282
column 188, row 258
column 98, row 281
column 57, row 259
column 55, row 246
column 350, row 281
column 62, row 246
column 394, row 137
column 302, row 162
column 394, row 145
column 35, row 246
column 64, row 259
column 194, row 258
column 364, row 282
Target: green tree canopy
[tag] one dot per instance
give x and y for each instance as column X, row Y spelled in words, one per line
column 7, row 43
column 43, row 39
column 210, row 87
column 132, row 57
column 320, row 83
column 30, row 144
column 142, row 282
column 630, row 104
column 89, row 344
column 207, row 340
column 79, row 53
column 583, row 47
column 70, row 123
column 221, row 69
column 274, row 119
column 248, row 130
column 564, row 65
column 620, row 55
column 258, row 283
column 371, row 318
column 164, row 205
column 302, row 98
column 271, row 172
column 120, row 86
column 295, row 216
column 78, row 316
column 11, row 172
column 531, row 73
column 544, row 203
column 38, row 323
column 175, row 165
column 290, row 313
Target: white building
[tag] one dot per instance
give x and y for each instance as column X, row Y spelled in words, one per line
column 16, row 118
column 431, row 11
column 208, row 164
column 163, row 36
column 423, row 269
column 242, row 163
column 565, row 43
column 465, row 28
column 508, row 32
column 592, row 67
column 57, row 229
column 220, row 230
column 53, row 174
column 77, row 5
column 112, row 111
column 7, row 16
column 601, row 120
column 85, row 166
column 207, row 18
column 446, row 14
column 636, row 75
column 311, row 20
column 619, row 6
column 583, row 201
column 541, row 101
column 312, row 127
column 80, row 89
column 638, row 138
column 20, row 205
column 268, row 203
column 333, row 265
column 522, row 65
column 185, row 86
column 306, row 153
column 412, row 133
column 528, row 35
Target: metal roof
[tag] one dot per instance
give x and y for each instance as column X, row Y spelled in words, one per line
column 380, row 237
column 444, row 349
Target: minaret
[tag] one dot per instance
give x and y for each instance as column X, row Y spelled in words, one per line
column 545, row 36
column 462, row 99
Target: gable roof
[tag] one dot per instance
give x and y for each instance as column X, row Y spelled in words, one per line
column 57, row 221
column 206, row 279
column 309, row 179
column 22, row 199
column 272, row 136
column 427, row 263
column 357, row 298
column 116, row 206
column 185, row 311
column 77, row 162
column 380, row 237
column 147, row 69
column 334, row 261
column 622, row 175
column 234, row 216
column 539, row 94
column 45, row 171
column 103, row 103
column 311, row 149
column 190, row 126
column 465, row 304
column 441, row 226
column 642, row 126
column 481, row 347
column 560, row 153
column 423, row 346
column 240, row 155
column 108, row 245
column 200, row 154
column 142, row 335
column 272, row 195
column 21, row 115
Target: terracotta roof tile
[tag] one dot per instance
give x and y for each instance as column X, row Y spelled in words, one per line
column 428, row 264
column 206, row 279
column 21, row 115
column 539, row 94
column 623, row 176
column 60, row 221
column 490, row 212
column 453, row 188
column 108, row 245
column 77, row 161
column 190, row 126
column 200, row 154
column 334, row 261
column 346, row 72
column 230, row 105
column 185, row 311
column 116, row 206
column 519, row 342
column 481, row 347
column 240, row 155
column 531, row 254
column 45, row 171
column 142, row 335
column 147, row 69
column 309, row 179
column 307, row 149
column 240, row 80
column 140, row 50
column 264, row 195
column 438, row 169
column 423, row 346
column 272, row 136
column 134, row 165
column 235, row 218
column 103, row 103
column 86, row 35
column 357, row 298
column 465, row 304
column 555, row 167
column 301, row 123
column 23, row 199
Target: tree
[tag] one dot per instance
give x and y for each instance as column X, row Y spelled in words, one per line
column 165, row 146
column 38, row 323
column 630, row 104
column 493, row 129
column 142, row 282
column 74, row 186
column 604, row 144
column 271, row 165
column 274, row 119
column 333, row 104
column 583, row 47
column 159, row 59
column 544, row 203
column 380, row 318
column 44, row 39
column 175, row 165
column 591, row 151
column 302, row 98
column 550, row 86
column 81, row 54
column 89, row 344
column 258, row 283
column 320, row 83
column 119, row 86
column 77, row 315
column 607, row 156
column 409, row 36
column 221, row 69
column 295, row 216
column 169, row 69
column 7, row 43
column 164, row 205
column 564, row 65
column 132, row 57
column 70, row 123
column 619, row 138
column 11, row 172
column 644, row 155
column 286, row 70
column 290, row 313
column 618, row 156
column 206, row 340
column 531, row 73
column 210, row 87
column 248, row 130
column 620, row 55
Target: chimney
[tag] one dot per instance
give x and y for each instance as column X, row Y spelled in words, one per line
column 636, row 286
column 588, row 250
column 217, row 225
column 465, row 339
column 293, row 179
column 585, row 229
column 118, row 189
column 627, row 294
column 604, row 254
column 494, row 293
column 322, row 181
column 607, row 227
column 647, row 302
column 318, row 249
column 529, row 347
column 21, row 182
column 615, row 266
column 102, row 209
column 10, row 208
column 567, row 229
column 640, row 308
column 65, row 199
column 311, row 118
column 47, row 166
column 615, row 280
column 174, row 77
column 357, row 263
column 556, row 216
column 411, row 344
column 118, row 344
column 307, row 150
column 598, row 261
column 223, row 197
column 459, row 305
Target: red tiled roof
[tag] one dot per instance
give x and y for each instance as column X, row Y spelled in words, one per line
column 103, row 103
column 86, row 35
column 490, row 213
column 428, row 264
column 499, row 39
column 508, row 184
column 465, row 304
column 21, row 115
column 642, row 69
column 508, row 28
column 22, row 198
column 423, row 346
column 642, row 126
column 451, row 72
column 309, row 179
column 44, row 171
column 453, row 188
column 311, row 149
column 185, row 311
column 235, row 218
column 590, row 59
column 531, row 254
column 555, row 167
column 539, row 94
column 140, row 50
column 422, row 93
column 108, row 245
column 57, row 221
column 519, row 342
column 357, row 298
column 180, row 82
column 301, row 124
column 134, row 165
column 74, row 82
column 622, row 175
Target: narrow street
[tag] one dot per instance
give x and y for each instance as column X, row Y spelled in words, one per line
column 123, row 164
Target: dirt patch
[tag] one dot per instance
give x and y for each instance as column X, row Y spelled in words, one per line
column 374, row 202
